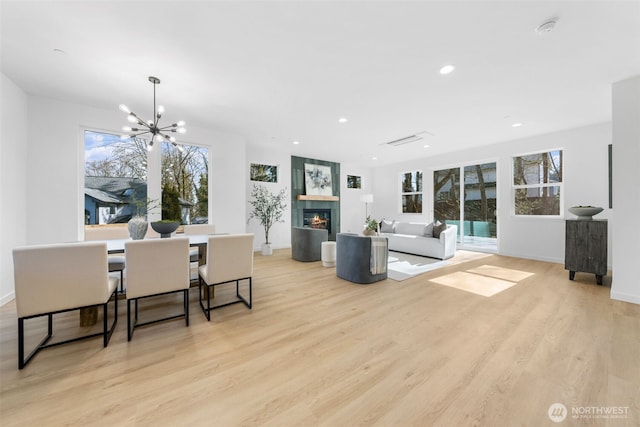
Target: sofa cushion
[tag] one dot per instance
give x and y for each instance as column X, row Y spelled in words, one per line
column 387, row 226
column 411, row 228
column 428, row 230
column 439, row 228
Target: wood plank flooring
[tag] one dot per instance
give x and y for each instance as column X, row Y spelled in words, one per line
column 317, row 350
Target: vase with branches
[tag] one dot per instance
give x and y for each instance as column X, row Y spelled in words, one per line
column 268, row 209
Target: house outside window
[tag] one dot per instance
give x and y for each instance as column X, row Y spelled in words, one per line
column 537, row 184
column 115, row 178
column 411, row 192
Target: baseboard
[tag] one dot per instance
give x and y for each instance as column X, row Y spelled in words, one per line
column 7, row 298
column 534, row 258
column 621, row 296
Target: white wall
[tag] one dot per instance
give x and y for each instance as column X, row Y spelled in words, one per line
column 13, row 185
column 585, row 183
column 352, row 210
column 626, row 193
column 280, row 233
column 55, row 169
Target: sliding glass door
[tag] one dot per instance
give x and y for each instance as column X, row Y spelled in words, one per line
column 469, row 203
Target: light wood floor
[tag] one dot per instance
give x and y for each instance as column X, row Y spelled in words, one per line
column 317, row 350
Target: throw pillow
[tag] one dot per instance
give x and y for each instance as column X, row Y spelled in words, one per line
column 428, row 230
column 439, row 228
column 386, row 226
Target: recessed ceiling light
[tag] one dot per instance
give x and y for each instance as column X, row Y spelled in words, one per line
column 374, row 158
column 516, row 125
column 58, row 51
column 426, row 146
column 447, row 69
column 296, row 142
column 342, row 120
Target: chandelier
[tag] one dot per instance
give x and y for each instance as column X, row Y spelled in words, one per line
column 157, row 133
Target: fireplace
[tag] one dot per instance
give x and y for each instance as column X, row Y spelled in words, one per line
column 317, row 218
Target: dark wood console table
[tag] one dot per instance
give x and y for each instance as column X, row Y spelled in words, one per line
column 586, row 247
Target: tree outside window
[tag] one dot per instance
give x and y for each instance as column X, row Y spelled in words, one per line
column 115, row 178
column 411, row 192
column 537, row 183
column 185, row 183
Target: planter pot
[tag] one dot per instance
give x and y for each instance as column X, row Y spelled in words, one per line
column 266, row 249
column 165, row 228
column 367, row 232
column 137, row 227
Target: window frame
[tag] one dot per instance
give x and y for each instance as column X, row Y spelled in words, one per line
column 559, row 185
column 411, row 193
column 154, row 182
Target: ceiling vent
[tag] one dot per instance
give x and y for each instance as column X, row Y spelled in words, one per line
column 407, row 139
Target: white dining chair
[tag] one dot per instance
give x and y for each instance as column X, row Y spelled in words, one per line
column 229, row 260
column 56, row 278
column 110, row 232
column 156, row 267
column 195, row 229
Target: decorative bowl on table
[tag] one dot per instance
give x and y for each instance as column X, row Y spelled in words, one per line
column 164, row 227
column 585, row 212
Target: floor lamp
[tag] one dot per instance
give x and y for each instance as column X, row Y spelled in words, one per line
column 366, row 199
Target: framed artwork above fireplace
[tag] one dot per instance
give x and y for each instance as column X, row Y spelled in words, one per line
column 317, row 180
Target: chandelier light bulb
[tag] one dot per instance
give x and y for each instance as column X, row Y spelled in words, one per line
column 132, row 118
column 179, row 147
column 172, row 138
column 160, row 109
column 157, row 138
column 181, row 123
column 181, row 130
column 150, row 146
column 126, row 128
column 124, row 108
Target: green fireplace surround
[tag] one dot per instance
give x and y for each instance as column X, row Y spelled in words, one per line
column 298, row 189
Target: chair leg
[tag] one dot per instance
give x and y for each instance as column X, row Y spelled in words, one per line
column 186, row 305
column 22, row 362
column 107, row 332
column 206, row 311
column 130, row 326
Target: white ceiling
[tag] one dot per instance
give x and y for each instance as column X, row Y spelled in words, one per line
column 276, row 72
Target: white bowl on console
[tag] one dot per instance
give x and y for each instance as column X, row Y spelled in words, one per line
column 585, row 212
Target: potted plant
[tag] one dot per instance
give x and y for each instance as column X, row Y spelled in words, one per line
column 370, row 227
column 267, row 208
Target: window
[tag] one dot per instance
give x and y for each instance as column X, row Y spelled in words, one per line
column 115, row 178
column 185, row 183
column 411, row 192
column 537, row 184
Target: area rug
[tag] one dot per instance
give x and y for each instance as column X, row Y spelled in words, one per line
column 403, row 266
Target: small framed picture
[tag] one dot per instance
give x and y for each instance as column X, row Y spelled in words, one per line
column 354, row 181
column 264, row 173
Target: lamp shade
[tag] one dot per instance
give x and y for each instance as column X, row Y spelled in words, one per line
column 366, row 198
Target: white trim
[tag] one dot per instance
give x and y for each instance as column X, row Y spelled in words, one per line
column 7, row 298
column 622, row 296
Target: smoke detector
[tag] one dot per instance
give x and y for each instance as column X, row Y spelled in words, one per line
column 547, row 26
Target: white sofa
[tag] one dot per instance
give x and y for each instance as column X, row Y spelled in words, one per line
column 418, row 238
